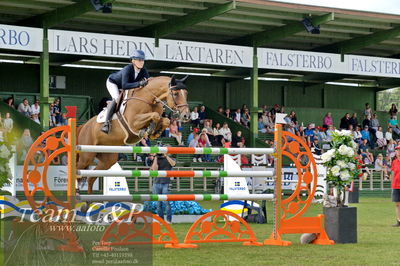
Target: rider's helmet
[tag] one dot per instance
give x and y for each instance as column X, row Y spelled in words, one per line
column 137, row 55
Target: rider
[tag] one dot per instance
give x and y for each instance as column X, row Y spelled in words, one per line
column 131, row 76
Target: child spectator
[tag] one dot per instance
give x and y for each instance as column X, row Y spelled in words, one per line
column 309, row 134
column 365, row 135
column 194, row 117
column 380, row 139
column 237, row 116
column 363, row 149
column 191, row 135
column 327, row 120
column 204, row 142
column 380, row 166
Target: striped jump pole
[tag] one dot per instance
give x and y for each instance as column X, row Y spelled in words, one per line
column 173, row 197
column 171, row 150
column 155, row 173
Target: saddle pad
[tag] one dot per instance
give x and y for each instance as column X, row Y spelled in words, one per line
column 101, row 117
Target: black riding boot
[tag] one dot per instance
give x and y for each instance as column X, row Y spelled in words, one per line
column 110, row 112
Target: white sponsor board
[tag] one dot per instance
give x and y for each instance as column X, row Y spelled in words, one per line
column 115, row 185
column 107, row 45
column 21, row 38
column 327, row 63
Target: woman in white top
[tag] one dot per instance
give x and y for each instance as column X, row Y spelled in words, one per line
column 226, row 132
column 357, row 135
column 194, row 117
column 379, row 166
column 380, row 140
column 388, row 134
column 218, row 136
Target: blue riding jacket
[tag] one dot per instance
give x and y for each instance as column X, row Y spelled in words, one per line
column 125, row 78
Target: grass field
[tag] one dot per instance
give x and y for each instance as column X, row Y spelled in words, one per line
column 377, row 244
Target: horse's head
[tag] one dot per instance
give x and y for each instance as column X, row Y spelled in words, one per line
column 177, row 98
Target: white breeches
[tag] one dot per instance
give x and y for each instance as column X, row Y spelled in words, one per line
column 112, row 89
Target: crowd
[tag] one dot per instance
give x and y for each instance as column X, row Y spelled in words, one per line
column 56, row 117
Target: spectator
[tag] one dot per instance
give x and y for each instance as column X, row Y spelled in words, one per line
column 209, row 130
column 353, row 120
column 202, row 114
column 380, row 166
column 237, row 116
column 329, row 132
column 365, row 135
column 8, row 124
column 300, row 133
column 275, row 110
column 194, row 117
column 227, row 113
column 327, row 120
column 245, row 119
column 64, row 119
column 192, row 134
column 309, row 134
column 238, row 140
column 391, row 151
column 57, row 111
column 195, row 143
column 36, row 108
column 393, row 124
column 388, row 134
column 264, row 108
column 380, row 139
column 24, row 144
column 367, row 110
column 393, row 110
column 293, row 116
column 226, row 132
column 204, row 142
column 161, row 184
column 244, row 107
column 173, row 131
column 24, row 108
column 315, row 147
column 345, row 121
column 221, row 110
column 375, row 122
column 218, row 136
column 52, row 114
column 365, row 153
column 10, row 102
column 357, row 135
column 261, row 126
column 35, row 118
column 149, row 159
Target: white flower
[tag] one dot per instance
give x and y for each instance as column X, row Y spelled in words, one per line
column 335, row 170
column 344, row 175
column 350, row 152
column 341, row 164
column 327, row 156
column 4, row 152
column 352, row 166
column 342, row 150
column 353, row 144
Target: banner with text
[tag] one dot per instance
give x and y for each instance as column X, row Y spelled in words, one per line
column 106, row 45
column 21, row 38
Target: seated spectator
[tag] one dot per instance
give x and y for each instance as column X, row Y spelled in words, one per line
column 202, row 114
column 149, row 159
column 293, row 117
column 194, row 142
column 24, row 108
column 300, row 133
column 35, row 118
column 24, row 144
column 275, row 110
column 261, row 126
column 391, row 149
column 8, row 125
column 244, row 107
column 227, row 113
column 221, row 110
column 329, row 132
column 380, row 139
column 345, row 121
column 327, row 120
column 375, row 122
column 226, row 132
column 209, row 130
column 380, row 166
column 174, row 132
column 393, row 110
column 10, row 102
column 237, row 116
column 194, row 117
column 393, row 124
column 353, row 120
column 191, row 135
column 321, row 135
column 36, row 108
column 309, row 133
column 357, row 135
column 363, row 150
column 64, row 119
column 368, row 122
column 238, row 140
column 388, row 134
column 218, row 136
column 315, row 147
column 245, row 119
column 204, row 142
column 365, row 135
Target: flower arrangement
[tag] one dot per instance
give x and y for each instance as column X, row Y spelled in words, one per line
column 341, row 162
column 5, row 172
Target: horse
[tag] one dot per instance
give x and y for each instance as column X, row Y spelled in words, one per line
column 142, row 115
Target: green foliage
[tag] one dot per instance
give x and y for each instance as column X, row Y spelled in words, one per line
column 5, row 156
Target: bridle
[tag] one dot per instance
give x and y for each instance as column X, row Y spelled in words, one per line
column 175, row 109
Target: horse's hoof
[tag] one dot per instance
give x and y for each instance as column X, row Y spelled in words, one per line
column 142, row 133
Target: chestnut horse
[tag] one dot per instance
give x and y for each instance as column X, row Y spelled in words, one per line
column 144, row 107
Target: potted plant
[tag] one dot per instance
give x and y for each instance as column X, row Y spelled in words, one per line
column 342, row 167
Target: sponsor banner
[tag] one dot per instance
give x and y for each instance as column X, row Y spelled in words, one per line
column 57, row 179
column 107, row 45
column 327, row 63
column 21, row 38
